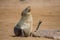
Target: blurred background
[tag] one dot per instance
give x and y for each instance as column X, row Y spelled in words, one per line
column 47, row 11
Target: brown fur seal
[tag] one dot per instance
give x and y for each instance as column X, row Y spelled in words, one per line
column 25, row 24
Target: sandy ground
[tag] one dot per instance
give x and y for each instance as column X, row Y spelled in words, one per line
column 48, row 11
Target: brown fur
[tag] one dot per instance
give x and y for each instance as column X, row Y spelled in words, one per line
column 25, row 25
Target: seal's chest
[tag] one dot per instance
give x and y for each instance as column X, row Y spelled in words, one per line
column 28, row 20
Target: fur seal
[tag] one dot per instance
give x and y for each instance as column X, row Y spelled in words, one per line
column 25, row 24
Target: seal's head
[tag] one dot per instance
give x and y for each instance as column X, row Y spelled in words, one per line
column 26, row 11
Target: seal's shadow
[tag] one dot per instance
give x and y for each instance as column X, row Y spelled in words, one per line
column 14, row 36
